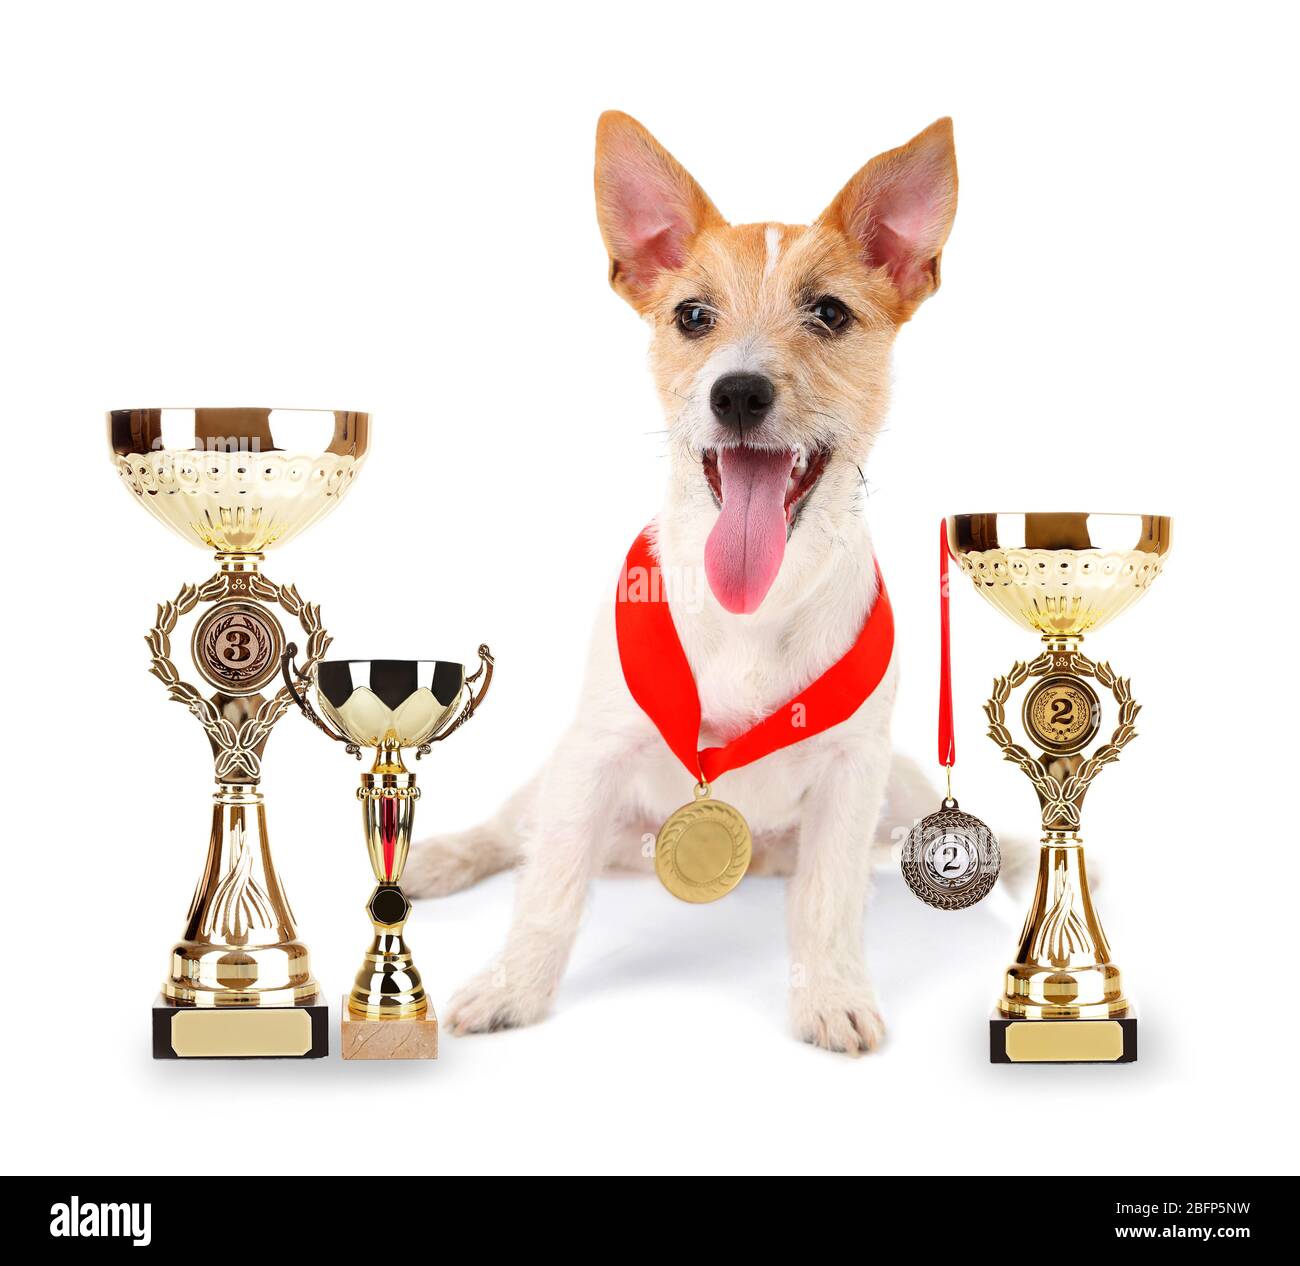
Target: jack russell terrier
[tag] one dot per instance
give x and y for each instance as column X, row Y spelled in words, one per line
column 771, row 354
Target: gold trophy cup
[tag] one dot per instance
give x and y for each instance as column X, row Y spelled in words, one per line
column 1062, row 576
column 237, row 481
column 389, row 704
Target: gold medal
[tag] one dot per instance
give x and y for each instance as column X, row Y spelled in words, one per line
column 703, row 850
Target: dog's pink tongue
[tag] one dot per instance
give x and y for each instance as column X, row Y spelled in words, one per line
column 745, row 548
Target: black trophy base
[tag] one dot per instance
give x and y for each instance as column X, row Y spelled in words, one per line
column 1111, row 1041
column 300, row 1031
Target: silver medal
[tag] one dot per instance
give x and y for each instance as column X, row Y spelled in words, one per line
column 951, row 859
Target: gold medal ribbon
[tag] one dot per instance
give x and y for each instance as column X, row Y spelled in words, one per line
column 659, row 678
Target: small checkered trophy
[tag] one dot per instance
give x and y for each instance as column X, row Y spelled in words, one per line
column 388, row 705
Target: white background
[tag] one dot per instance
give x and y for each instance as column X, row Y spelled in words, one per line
column 389, row 208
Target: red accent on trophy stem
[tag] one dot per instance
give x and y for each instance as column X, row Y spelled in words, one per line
column 389, row 809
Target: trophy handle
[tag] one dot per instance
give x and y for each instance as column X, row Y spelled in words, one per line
column 474, row 699
column 286, row 662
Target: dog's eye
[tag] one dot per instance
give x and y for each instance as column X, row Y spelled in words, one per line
column 828, row 314
column 694, row 319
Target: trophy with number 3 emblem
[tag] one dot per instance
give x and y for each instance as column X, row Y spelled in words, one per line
column 237, row 481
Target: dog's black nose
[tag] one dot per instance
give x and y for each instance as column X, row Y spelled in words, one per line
column 741, row 400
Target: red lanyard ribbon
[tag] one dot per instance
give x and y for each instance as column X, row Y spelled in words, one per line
column 660, row 679
column 947, row 744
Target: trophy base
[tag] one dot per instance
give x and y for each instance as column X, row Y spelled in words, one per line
column 389, row 1039
column 300, row 1031
column 1103, row 1041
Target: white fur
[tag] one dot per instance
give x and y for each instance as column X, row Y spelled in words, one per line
column 772, row 243
column 814, row 807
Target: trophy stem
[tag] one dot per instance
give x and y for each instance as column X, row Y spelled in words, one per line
column 388, row 984
column 239, row 562
column 239, row 948
column 1063, row 969
column 239, row 982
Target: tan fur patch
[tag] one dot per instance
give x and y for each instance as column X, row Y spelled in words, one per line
column 875, row 251
column 838, row 385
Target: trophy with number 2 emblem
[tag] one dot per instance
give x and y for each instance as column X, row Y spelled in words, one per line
column 1062, row 575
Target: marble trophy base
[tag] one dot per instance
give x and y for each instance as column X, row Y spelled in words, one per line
column 389, row 1039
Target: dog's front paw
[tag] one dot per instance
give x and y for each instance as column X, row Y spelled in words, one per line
column 489, row 1002
column 837, row 1016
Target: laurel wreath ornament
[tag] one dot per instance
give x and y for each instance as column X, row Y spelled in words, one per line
column 1061, row 799
column 237, row 758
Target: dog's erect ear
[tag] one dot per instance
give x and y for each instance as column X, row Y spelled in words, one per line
column 649, row 208
column 898, row 210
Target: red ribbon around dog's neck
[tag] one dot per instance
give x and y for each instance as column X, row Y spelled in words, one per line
column 947, row 744
column 660, row 680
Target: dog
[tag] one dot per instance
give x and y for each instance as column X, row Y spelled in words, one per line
column 771, row 354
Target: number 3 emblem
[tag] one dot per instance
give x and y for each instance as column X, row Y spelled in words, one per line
column 237, row 647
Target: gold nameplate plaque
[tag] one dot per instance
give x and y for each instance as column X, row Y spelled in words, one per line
column 276, row 1032
column 1088, row 1041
